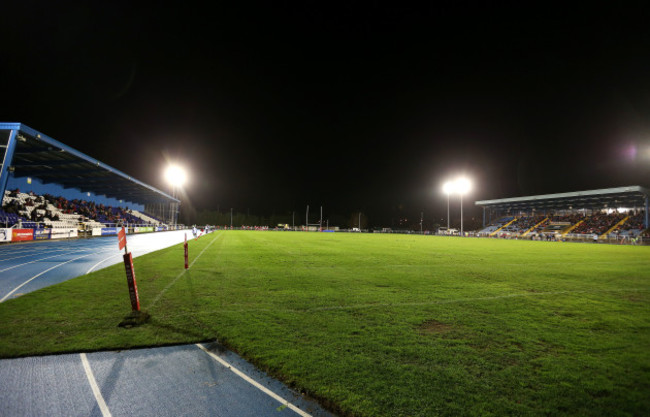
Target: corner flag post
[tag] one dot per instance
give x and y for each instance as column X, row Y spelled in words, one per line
column 130, row 271
column 186, row 252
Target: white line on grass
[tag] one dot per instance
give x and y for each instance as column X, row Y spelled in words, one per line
column 254, row 383
column 93, row 385
column 38, row 275
column 164, row 290
column 413, row 304
column 464, row 300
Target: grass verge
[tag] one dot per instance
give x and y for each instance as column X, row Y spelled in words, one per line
column 379, row 325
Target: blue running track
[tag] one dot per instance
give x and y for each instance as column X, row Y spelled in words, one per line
column 26, row 267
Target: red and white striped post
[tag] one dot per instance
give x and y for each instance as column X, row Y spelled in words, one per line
column 186, row 253
column 130, row 271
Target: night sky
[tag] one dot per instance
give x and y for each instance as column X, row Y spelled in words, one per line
column 353, row 106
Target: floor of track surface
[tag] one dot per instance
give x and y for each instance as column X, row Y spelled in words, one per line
column 168, row 381
column 49, row 262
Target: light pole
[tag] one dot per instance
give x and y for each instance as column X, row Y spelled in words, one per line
column 421, row 220
column 448, row 188
column 462, row 187
column 176, row 177
column 459, row 186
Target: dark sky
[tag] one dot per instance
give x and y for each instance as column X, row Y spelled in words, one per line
column 355, row 106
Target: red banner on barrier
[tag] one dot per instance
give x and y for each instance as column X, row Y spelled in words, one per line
column 22, row 234
column 130, row 279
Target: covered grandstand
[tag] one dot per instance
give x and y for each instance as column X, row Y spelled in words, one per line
column 612, row 213
column 77, row 186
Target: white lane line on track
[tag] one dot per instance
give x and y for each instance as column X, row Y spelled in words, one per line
column 36, row 260
column 164, row 290
column 38, row 275
column 101, row 262
column 93, row 385
column 254, row 383
column 34, row 253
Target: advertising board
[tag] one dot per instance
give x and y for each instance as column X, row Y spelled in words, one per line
column 110, row 231
column 64, row 233
column 5, row 235
column 19, row 235
column 42, row 234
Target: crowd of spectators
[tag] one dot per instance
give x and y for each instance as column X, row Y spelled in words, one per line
column 598, row 223
column 635, row 222
column 37, row 209
column 525, row 223
column 566, row 218
column 594, row 224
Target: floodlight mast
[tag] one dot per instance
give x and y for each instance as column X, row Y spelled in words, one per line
column 460, row 186
column 448, row 188
column 176, row 177
column 421, row 220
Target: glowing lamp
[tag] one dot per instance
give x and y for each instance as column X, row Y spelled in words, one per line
column 175, row 175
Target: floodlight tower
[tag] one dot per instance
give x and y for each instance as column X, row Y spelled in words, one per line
column 462, row 186
column 448, row 188
column 176, row 177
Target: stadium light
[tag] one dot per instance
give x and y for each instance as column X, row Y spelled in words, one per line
column 176, row 176
column 460, row 186
column 448, row 188
column 463, row 186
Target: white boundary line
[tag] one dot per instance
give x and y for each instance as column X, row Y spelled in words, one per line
column 414, row 304
column 101, row 262
column 465, row 300
column 36, row 260
column 38, row 275
column 254, row 383
column 93, row 385
column 164, row 290
column 31, row 253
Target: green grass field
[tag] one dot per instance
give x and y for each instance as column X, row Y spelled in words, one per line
column 382, row 325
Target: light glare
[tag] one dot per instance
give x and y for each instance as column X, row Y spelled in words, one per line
column 463, row 186
column 175, row 175
column 459, row 186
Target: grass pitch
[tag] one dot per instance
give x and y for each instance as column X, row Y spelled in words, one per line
column 379, row 325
